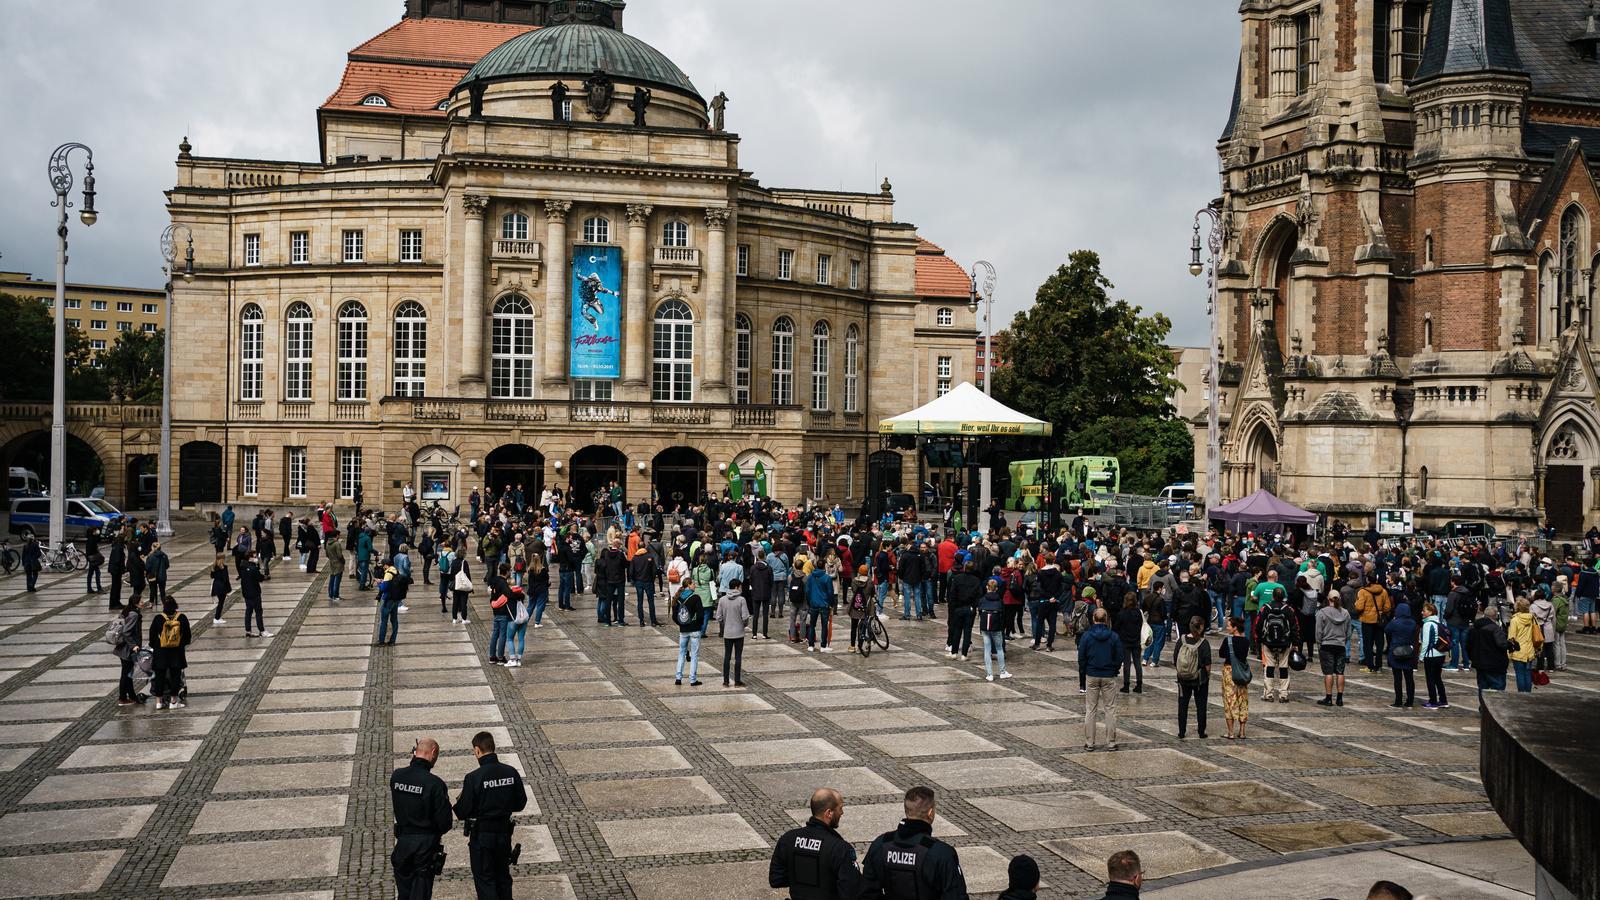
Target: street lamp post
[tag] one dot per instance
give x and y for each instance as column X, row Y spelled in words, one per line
column 169, row 253
column 61, row 181
column 986, row 294
column 1214, row 373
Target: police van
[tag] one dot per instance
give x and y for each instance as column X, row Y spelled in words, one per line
column 31, row 516
column 23, row 483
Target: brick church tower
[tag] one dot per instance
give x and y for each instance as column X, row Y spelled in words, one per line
column 1406, row 292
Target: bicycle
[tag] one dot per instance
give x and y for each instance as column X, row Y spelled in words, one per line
column 9, row 557
column 66, row 558
column 875, row 633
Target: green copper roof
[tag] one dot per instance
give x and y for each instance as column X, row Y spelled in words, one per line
column 575, row 51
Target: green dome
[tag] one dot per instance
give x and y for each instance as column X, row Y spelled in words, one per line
column 576, row 51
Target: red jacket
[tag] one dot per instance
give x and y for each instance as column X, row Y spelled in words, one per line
column 947, row 556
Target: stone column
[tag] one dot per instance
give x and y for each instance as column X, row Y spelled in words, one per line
column 472, row 312
column 556, row 279
column 714, row 377
column 636, row 335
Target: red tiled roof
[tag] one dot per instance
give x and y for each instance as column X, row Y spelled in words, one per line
column 939, row 275
column 445, row 41
column 413, row 90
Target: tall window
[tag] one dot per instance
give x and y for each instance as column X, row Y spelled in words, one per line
column 355, row 247
column 741, row 359
column 819, row 471
column 1568, row 287
column 295, row 472
column 743, row 260
column 1293, row 54
column 855, row 274
column 299, row 247
column 824, row 269
column 1305, row 63
column 852, row 370
column 251, row 329
column 850, row 474
column 297, row 353
column 596, row 230
column 511, row 349
column 1398, row 31
column 566, row 110
column 349, row 472
column 352, row 368
column 783, row 361
column 785, row 265
column 249, row 471
column 675, row 234
column 410, row 350
column 513, row 227
column 411, row 245
column 944, row 368
column 672, row 373
column 252, row 249
column 819, row 366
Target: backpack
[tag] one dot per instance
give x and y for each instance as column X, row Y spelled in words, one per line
column 684, row 612
column 521, row 618
column 113, row 635
column 1276, row 632
column 1189, row 662
column 674, row 575
column 171, row 633
column 1441, row 640
column 858, row 600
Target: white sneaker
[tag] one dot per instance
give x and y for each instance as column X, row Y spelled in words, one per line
column 455, row 620
column 161, row 704
column 827, row 649
column 177, row 704
column 466, row 621
column 516, row 662
column 1005, row 674
column 811, row 649
column 988, row 678
column 219, row 621
column 265, row 634
column 538, row 624
column 403, row 608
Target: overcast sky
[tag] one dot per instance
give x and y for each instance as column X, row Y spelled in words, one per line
column 1014, row 131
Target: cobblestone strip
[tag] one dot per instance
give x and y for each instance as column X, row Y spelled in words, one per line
column 368, row 826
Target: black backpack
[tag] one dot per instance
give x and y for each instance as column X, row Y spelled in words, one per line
column 685, row 609
column 1276, row 631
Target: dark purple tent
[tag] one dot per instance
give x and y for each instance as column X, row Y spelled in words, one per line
column 1260, row 512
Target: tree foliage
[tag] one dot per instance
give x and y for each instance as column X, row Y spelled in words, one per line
column 27, row 333
column 132, row 367
column 1099, row 371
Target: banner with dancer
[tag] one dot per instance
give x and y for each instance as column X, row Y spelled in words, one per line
column 595, row 350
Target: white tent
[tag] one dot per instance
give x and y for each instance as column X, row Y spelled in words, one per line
column 964, row 411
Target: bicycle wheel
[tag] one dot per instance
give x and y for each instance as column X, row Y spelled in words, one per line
column 78, row 560
column 9, row 560
column 58, row 562
column 864, row 640
column 880, row 634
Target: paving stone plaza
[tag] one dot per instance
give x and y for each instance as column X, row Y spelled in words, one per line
column 273, row 782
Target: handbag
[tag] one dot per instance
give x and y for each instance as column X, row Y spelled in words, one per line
column 1146, row 634
column 1403, row 652
column 1541, row 677
column 463, row 583
column 1240, row 666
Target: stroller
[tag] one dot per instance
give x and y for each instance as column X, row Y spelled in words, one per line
column 144, row 673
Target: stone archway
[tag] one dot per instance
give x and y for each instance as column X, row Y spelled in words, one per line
column 511, row 466
column 679, row 476
column 1261, row 459
column 1568, row 460
column 595, row 468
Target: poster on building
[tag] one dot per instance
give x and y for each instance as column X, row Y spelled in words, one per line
column 596, row 329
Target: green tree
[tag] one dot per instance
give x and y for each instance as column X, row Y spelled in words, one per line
column 1099, row 371
column 132, row 367
column 27, row 332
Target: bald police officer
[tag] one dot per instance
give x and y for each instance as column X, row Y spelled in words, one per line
column 421, row 818
column 813, row 861
column 909, row 863
column 490, row 795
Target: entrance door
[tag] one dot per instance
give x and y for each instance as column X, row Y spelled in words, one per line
column 199, row 473
column 513, row 465
column 1563, row 499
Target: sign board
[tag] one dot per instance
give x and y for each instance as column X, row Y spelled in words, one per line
column 1394, row 521
column 596, row 328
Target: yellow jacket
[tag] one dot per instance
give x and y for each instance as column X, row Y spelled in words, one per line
column 1372, row 601
column 1146, row 572
column 1526, row 632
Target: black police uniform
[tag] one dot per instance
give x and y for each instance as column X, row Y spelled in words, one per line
column 421, row 817
column 910, row 864
column 815, row 863
column 490, row 795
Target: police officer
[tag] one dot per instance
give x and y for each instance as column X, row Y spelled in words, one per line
column 490, row 795
column 813, row 861
column 421, row 818
column 909, row 863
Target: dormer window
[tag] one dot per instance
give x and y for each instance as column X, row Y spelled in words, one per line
column 442, row 107
column 374, row 100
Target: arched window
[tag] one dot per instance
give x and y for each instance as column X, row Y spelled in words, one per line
column 675, row 234
column 1547, row 313
column 1568, row 287
column 783, row 361
column 945, row 317
column 511, row 349
column 1422, row 484
column 672, row 371
column 374, row 100
column 352, row 374
column 597, row 230
column 251, row 351
column 297, row 352
column 741, row 358
column 410, row 350
column 819, row 366
column 513, row 227
column 852, row 370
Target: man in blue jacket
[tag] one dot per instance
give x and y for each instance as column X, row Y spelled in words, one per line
column 1099, row 657
column 819, row 600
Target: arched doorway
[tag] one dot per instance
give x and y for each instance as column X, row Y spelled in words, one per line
column 140, row 484
column 512, row 466
column 679, row 476
column 883, row 474
column 1569, row 451
column 31, row 452
column 1261, row 460
column 199, row 473
column 593, row 468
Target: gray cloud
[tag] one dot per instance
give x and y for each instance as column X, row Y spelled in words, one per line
column 1015, row 131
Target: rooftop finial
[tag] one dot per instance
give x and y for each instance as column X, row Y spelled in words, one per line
column 184, row 148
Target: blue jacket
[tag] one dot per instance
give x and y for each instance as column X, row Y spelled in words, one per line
column 819, row 589
column 1402, row 630
column 402, row 565
column 1100, row 652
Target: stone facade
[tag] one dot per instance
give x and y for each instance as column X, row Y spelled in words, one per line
column 806, row 320
column 1406, row 277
